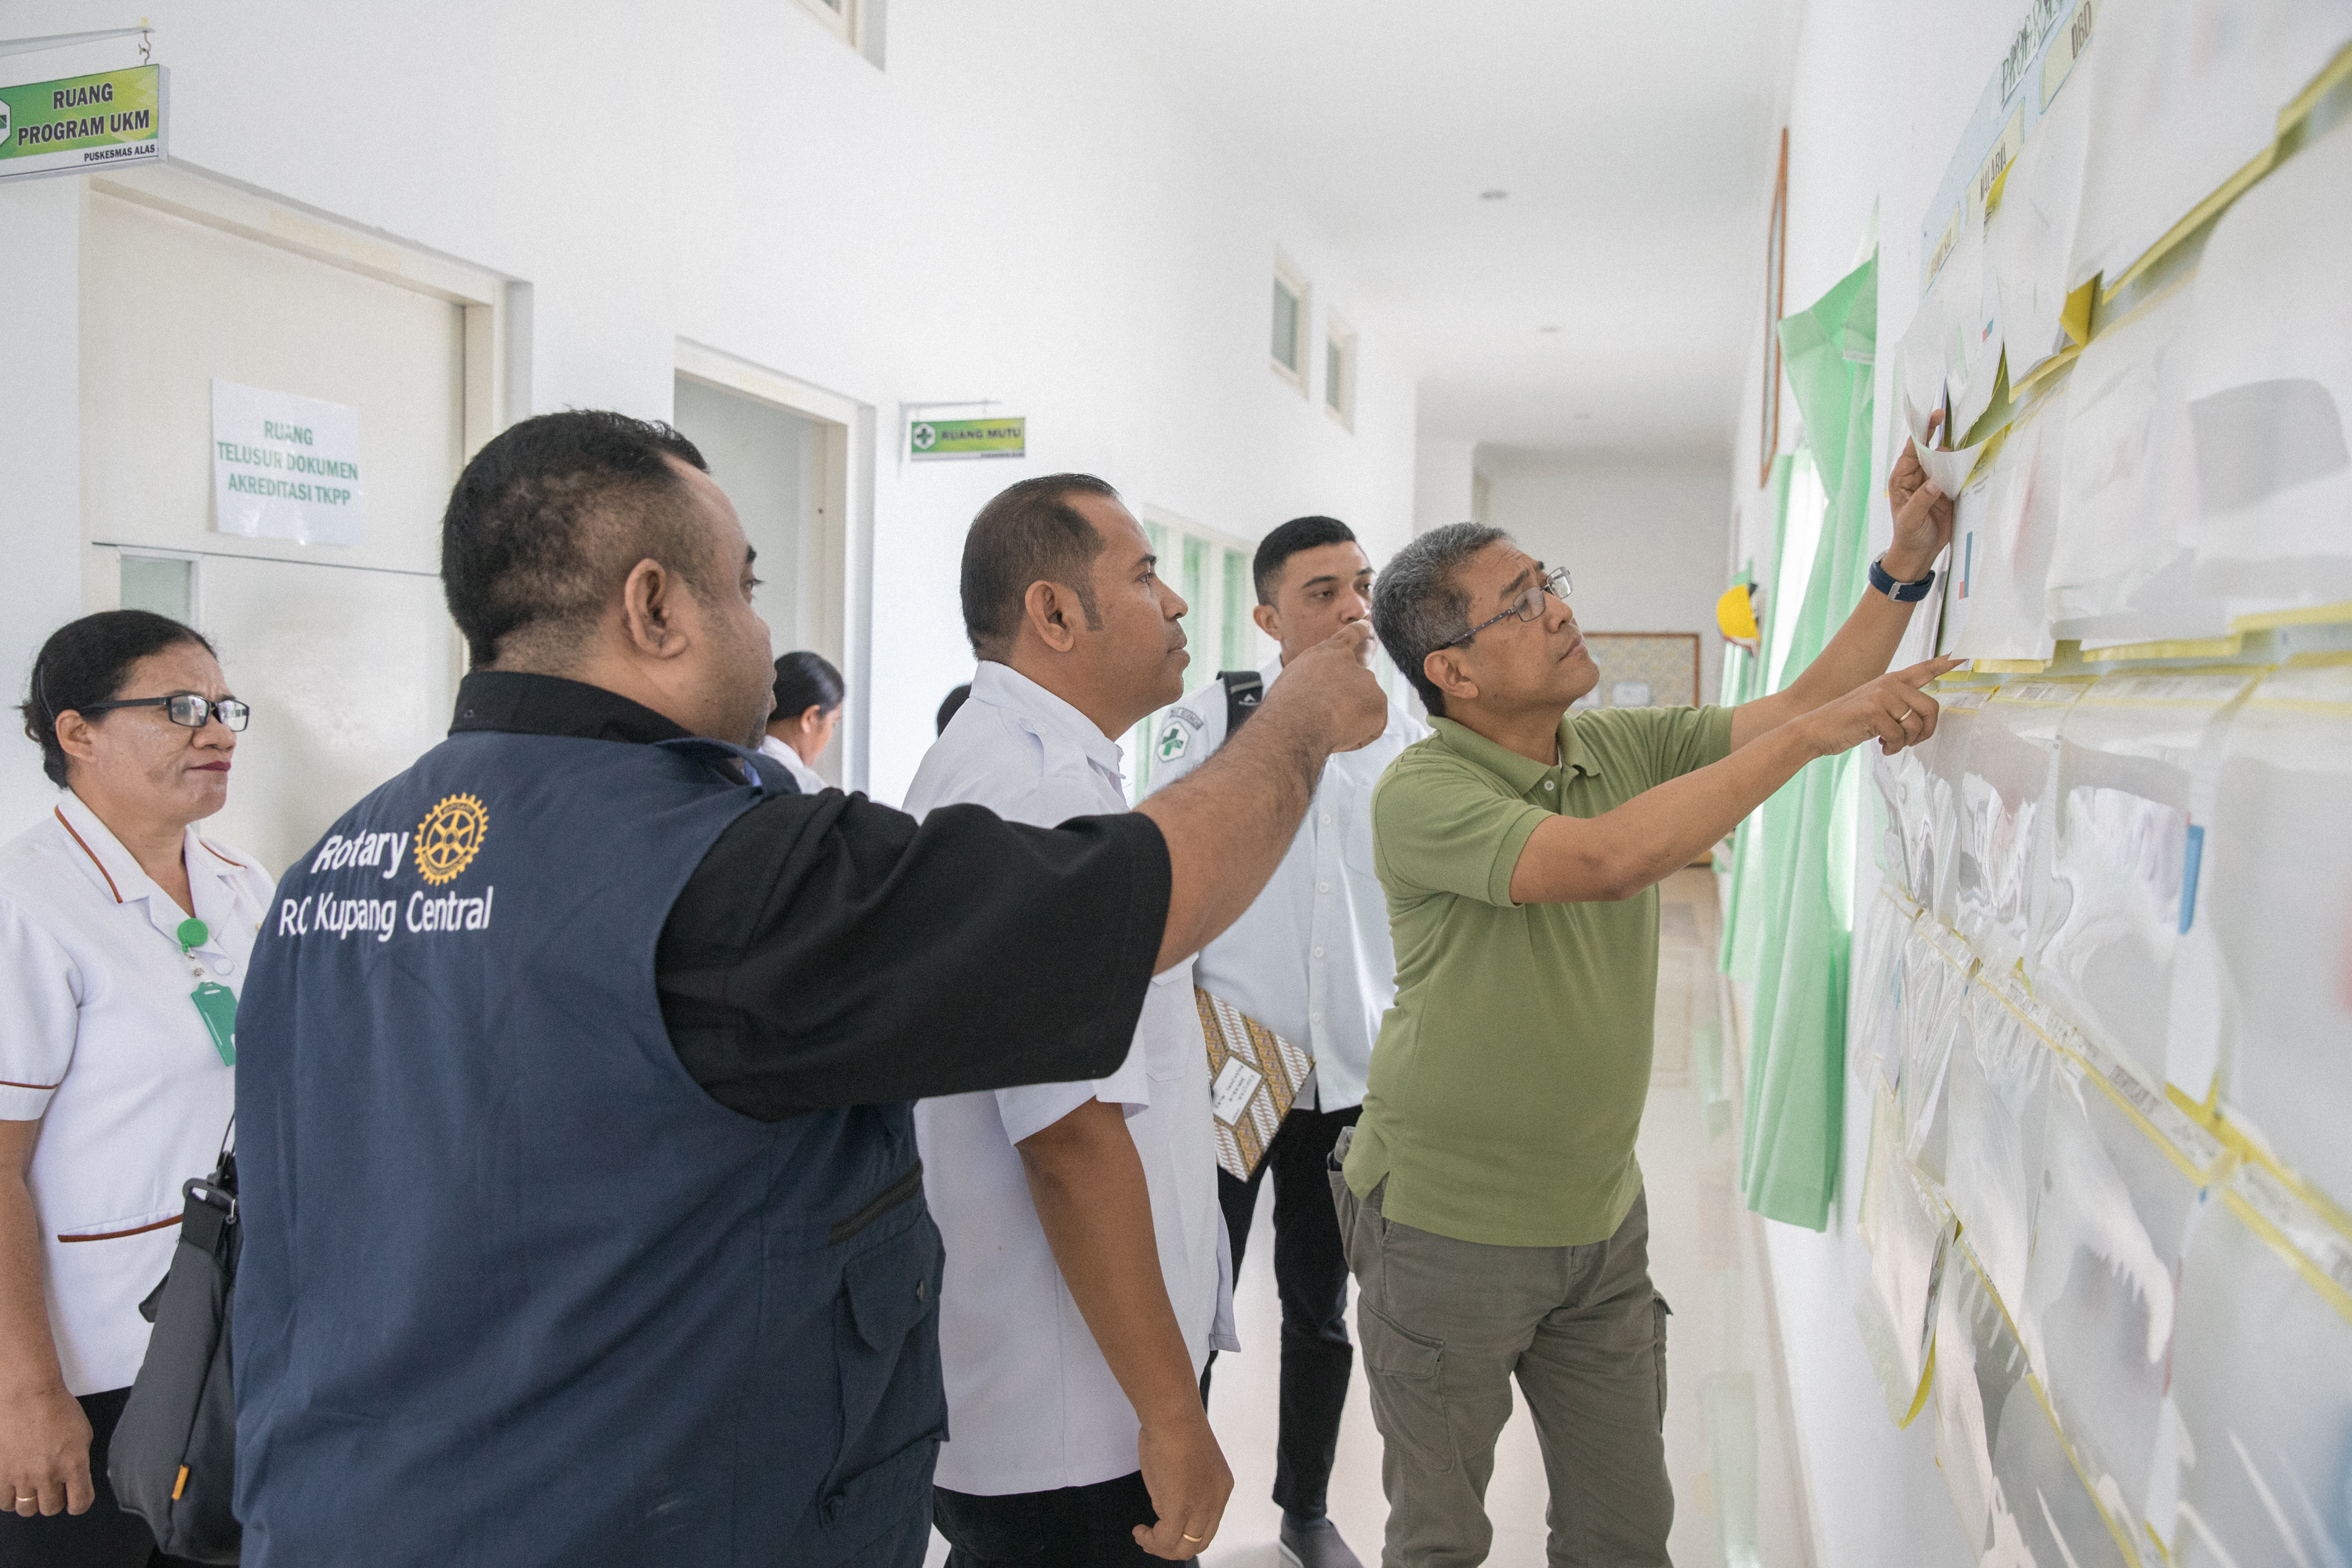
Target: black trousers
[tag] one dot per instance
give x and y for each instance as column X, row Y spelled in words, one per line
column 1310, row 1274
column 105, row 1537
column 1075, row 1527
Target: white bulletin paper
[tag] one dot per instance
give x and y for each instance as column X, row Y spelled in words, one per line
column 2186, row 94
column 286, row 467
column 2267, row 373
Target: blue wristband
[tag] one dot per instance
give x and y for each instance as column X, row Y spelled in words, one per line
column 1901, row 593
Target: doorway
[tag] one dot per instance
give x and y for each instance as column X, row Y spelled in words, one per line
column 344, row 650
column 781, row 450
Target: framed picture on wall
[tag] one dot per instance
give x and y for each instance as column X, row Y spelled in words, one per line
column 1644, row 669
column 1775, row 254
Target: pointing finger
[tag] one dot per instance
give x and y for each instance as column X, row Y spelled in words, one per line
column 1919, row 674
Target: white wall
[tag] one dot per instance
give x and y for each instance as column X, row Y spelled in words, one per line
column 1878, row 95
column 1015, row 209
column 1443, row 471
column 1644, row 541
column 40, row 460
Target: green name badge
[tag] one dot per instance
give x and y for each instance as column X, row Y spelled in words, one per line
column 217, row 1005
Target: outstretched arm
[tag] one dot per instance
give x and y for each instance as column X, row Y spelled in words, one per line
column 1861, row 648
column 1573, row 859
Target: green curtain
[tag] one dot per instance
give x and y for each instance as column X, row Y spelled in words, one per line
column 1799, row 897
column 1742, row 954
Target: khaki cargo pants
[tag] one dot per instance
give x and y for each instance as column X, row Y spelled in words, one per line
column 1445, row 1325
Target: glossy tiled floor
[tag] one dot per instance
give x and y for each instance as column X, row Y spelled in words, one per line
column 1734, row 1479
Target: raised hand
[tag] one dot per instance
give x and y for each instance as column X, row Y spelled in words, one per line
column 1894, row 707
column 1331, row 685
column 1922, row 515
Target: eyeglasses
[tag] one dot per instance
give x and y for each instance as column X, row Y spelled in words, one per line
column 184, row 709
column 1525, row 608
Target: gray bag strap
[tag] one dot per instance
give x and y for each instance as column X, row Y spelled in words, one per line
column 1244, row 690
column 173, row 1458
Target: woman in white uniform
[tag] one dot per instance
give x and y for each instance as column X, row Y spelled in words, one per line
column 807, row 712
column 124, row 935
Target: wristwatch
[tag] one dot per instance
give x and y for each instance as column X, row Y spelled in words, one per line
column 1901, row 593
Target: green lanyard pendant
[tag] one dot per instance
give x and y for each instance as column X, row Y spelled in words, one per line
column 216, row 1003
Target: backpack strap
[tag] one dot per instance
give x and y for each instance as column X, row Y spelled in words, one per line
column 1244, row 690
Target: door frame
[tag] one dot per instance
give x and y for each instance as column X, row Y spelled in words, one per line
column 844, row 552
column 185, row 190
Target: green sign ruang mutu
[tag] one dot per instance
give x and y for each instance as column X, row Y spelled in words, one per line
column 82, row 123
column 931, row 439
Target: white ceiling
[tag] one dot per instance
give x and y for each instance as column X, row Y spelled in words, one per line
column 1636, row 143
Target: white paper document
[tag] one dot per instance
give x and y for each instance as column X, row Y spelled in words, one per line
column 2267, row 374
column 2185, row 94
column 286, row 467
column 2120, row 568
column 2003, row 531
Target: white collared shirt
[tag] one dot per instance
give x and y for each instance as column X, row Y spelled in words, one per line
column 1311, row 958
column 100, row 1043
column 1031, row 1406
column 806, row 776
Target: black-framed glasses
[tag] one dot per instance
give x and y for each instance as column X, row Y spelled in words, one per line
column 1527, row 606
column 184, row 709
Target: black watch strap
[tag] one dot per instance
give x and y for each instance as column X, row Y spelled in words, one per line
column 1901, row 593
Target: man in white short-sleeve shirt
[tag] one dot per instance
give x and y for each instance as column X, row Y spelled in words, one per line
column 1312, row 962
column 1086, row 1279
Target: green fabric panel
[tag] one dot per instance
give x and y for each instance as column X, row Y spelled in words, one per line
column 1796, row 1070
column 1741, row 956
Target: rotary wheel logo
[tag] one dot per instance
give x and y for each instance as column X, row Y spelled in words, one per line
column 449, row 838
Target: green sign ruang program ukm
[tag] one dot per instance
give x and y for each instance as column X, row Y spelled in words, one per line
column 932, row 438
column 286, row 467
column 82, row 123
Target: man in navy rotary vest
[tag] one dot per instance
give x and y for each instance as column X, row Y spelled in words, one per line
column 583, row 1218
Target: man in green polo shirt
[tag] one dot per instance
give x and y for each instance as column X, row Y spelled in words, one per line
column 1489, row 1197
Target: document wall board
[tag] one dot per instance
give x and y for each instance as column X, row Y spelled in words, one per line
column 2030, row 237
column 2005, row 528
column 1919, row 834
column 1874, row 1052
column 2004, row 1460
column 2184, row 99
column 2001, row 794
column 2127, row 838
column 1909, row 1232
column 2259, row 1411
column 2122, row 569
column 2267, row 374
column 1997, row 1088
column 2269, row 948
column 2097, row 1314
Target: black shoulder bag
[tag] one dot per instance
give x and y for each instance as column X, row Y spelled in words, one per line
column 173, row 1457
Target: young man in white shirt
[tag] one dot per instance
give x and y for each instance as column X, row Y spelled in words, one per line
column 1310, row 961
column 1087, row 1276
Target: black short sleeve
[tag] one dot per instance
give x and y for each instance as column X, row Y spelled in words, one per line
column 831, row 952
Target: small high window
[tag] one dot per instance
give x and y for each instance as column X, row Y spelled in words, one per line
column 857, row 23
column 1289, row 344
column 1339, row 371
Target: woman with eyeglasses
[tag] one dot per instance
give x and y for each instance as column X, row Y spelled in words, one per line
column 124, row 935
